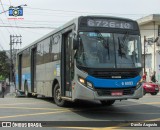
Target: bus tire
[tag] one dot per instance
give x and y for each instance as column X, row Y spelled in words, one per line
column 107, row 102
column 57, row 96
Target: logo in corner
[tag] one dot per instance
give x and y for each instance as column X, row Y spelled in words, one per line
column 15, row 11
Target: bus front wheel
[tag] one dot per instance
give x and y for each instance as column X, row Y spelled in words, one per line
column 107, row 102
column 57, row 96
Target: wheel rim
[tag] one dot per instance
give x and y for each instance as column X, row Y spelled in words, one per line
column 58, row 94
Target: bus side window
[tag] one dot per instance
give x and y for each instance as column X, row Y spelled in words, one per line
column 55, row 47
column 39, row 53
column 46, row 52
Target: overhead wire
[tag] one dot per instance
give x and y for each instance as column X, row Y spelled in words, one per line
column 14, row 19
column 42, row 27
column 35, row 24
column 23, row 29
column 29, row 27
column 88, row 12
column 3, row 34
column 62, row 13
column 6, row 28
column 71, row 11
column 45, row 22
column 5, row 14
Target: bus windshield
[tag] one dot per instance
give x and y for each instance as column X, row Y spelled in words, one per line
column 108, row 50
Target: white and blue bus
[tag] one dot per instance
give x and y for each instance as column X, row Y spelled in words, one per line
column 89, row 58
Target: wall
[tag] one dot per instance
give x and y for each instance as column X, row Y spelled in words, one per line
column 150, row 30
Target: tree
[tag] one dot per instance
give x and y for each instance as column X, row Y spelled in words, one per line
column 4, row 65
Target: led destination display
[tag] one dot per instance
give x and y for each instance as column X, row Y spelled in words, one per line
column 109, row 23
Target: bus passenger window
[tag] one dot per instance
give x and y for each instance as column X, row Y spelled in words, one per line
column 46, row 50
column 39, row 53
column 55, row 54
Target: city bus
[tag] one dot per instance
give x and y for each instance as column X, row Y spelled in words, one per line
column 88, row 58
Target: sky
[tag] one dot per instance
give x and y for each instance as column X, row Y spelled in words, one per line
column 43, row 16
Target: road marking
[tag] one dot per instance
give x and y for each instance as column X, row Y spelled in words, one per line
column 152, row 96
column 141, row 113
column 28, row 108
column 151, row 103
column 156, row 119
column 38, row 108
column 24, row 103
column 138, row 104
column 34, row 114
column 71, row 110
column 59, row 109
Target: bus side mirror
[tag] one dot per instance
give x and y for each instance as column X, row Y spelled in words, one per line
column 75, row 44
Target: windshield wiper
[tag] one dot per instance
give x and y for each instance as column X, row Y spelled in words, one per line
column 121, row 51
column 125, row 37
column 105, row 42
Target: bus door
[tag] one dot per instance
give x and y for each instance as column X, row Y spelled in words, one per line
column 67, row 65
column 20, row 71
column 33, row 69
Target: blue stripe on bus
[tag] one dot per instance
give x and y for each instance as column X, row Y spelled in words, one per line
column 26, row 76
column 113, row 83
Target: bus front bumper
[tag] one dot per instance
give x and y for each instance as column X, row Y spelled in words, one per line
column 89, row 94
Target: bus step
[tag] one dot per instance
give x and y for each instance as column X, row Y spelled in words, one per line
column 67, row 98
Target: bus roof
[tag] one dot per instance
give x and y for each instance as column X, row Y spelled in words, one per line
column 51, row 33
column 71, row 22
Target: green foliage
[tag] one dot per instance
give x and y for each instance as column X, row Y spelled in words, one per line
column 1, row 78
column 4, row 65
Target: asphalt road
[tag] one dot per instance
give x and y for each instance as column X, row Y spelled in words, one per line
column 41, row 109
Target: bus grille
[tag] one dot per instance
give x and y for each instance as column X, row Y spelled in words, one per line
column 107, row 92
column 108, row 75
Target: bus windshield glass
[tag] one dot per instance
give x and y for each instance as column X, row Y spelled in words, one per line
column 108, row 50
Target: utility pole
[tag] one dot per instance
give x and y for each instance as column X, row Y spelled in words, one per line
column 144, row 54
column 13, row 40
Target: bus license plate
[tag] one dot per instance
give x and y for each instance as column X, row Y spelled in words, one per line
column 117, row 93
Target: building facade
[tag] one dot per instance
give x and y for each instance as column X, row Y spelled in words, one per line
column 150, row 38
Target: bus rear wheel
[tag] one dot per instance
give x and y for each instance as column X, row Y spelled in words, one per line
column 57, row 96
column 107, row 102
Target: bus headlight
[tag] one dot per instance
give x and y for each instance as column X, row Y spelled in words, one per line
column 85, row 83
column 89, row 85
column 82, row 81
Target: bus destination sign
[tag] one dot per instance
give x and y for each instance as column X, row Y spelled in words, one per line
column 109, row 23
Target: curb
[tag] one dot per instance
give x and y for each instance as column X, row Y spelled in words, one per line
column 10, row 95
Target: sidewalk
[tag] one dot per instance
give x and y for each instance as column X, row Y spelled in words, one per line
column 9, row 92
